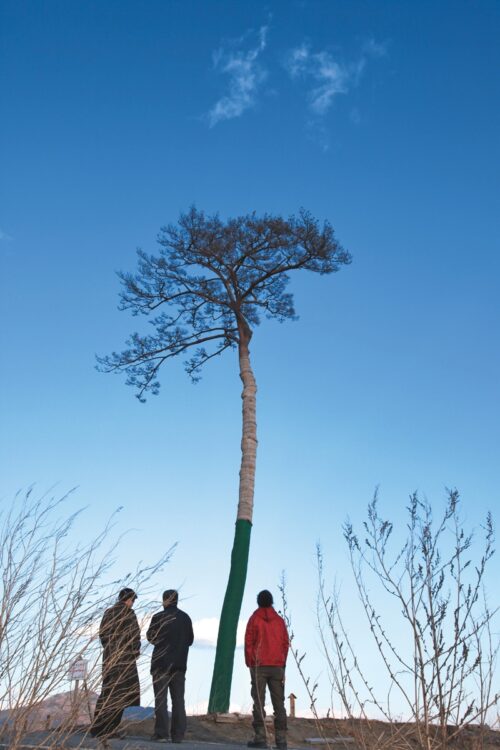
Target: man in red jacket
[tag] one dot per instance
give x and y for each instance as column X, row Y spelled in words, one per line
column 266, row 649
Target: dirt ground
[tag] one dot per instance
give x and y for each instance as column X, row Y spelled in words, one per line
column 234, row 729
column 237, row 729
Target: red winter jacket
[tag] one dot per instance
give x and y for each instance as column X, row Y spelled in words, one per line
column 266, row 639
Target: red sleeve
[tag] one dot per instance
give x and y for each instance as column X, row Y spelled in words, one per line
column 285, row 642
column 249, row 643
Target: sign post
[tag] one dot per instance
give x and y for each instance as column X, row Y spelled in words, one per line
column 77, row 672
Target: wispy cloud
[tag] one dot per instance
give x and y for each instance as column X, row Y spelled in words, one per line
column 246, row 74
column 206, row 630
column 4, row 236
column 328, row 77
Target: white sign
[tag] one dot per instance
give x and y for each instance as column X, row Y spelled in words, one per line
column 78, row 670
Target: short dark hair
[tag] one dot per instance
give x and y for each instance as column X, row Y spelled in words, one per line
column 170, row 597
column 126, row 594
column 265, row 598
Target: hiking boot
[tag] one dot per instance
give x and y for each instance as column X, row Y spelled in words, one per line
column 282, row 745
column 158, row 738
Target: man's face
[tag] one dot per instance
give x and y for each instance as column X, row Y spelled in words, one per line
column 129, row 602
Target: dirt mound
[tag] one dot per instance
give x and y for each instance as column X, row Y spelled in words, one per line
column 306, row 733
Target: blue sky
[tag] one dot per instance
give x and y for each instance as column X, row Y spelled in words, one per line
column 379, row 116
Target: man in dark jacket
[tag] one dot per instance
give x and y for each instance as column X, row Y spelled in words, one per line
column 171, row 633
column 120, row 637
column 266, row 649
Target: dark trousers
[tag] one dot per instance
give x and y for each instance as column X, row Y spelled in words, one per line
column 173, row 683
column 120, row 688
column 107, row 716
column 274, row 679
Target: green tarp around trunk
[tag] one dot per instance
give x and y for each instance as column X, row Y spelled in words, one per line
column 220, row 691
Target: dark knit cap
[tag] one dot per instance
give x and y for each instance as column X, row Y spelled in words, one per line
column 127, row 594
column 265, row 598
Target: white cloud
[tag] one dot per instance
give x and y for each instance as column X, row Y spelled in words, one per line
column 326, row 76
column 245, row 76
column 201, row 709
column 206, row 630
column 330, row 77
column 297, row 60
column 333, row 79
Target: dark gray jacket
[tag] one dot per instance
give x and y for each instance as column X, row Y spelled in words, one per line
column 171, row 633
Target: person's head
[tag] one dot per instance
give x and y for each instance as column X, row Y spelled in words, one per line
column 127, row 597
column 170, row 598
column 265, row 598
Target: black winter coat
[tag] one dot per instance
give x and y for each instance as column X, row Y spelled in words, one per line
column 171, row 633
column 120, row 637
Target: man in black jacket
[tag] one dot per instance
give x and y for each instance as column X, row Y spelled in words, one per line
column 120, row 637
column 171, row 633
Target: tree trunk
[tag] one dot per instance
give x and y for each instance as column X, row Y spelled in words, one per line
column 220, row 690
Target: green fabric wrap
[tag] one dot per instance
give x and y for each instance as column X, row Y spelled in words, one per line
column 220, row 692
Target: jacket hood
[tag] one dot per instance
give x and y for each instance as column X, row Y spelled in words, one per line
column 267, row 613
